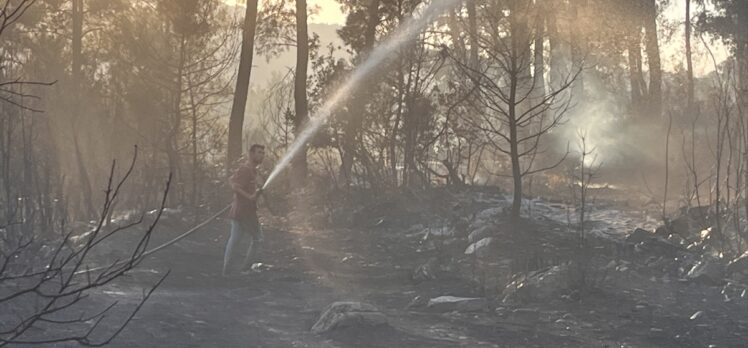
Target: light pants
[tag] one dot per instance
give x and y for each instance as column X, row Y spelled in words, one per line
column 243, row 243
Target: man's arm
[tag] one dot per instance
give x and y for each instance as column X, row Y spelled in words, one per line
column 246, row 194
column 240, row 177
column 235, row 183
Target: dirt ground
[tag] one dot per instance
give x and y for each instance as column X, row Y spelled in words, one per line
column 309, row 268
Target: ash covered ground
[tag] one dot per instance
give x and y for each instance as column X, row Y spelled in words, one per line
column 440, row 269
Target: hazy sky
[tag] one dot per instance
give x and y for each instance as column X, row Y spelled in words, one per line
column 329, row 12
column 672, row 48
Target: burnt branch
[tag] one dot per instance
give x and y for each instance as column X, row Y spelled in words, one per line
column 58, row 283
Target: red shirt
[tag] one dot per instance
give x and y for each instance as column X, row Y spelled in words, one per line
column 245, row 178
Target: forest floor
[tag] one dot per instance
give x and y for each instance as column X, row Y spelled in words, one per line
column 307, row 268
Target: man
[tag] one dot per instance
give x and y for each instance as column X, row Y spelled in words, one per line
column 245, row 226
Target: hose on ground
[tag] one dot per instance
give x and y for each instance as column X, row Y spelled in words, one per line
column 165, row 245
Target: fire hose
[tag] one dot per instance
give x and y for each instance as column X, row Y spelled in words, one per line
column 175, row 239
column 164, row 245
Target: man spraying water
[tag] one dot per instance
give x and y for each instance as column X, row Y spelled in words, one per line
column 245, row 225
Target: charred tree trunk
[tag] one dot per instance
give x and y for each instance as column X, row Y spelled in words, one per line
column 172, row 139
column 577, row 47
column 8, row 183
column 358, row 107
column 299, row 165
column 514, row 154
column 473, row 29
column 538, row 60
column 236, row 122
column 689, row 61
column 195, row 190
column 556, row 61
column 519, row 81
column 76, row 69
column 396, row 126
column 85, row 182
column 742, row 60
column 636, row 78
column 77, row 45
column 409, row 127
column 454, row 32
column 653, row 58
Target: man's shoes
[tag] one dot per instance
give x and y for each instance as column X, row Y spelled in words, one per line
column 256, row 268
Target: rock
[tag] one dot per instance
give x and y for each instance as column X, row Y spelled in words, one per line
column 439, row 232
column 662, row 231
column 639, row 235
column 526, row 315
column 676, row 239
column 500, row 311
column 427, row 271
column 539, row 286
column 691, row 221
column 739, row 265
column 168, row 215
column 348, row 314
column 417, row 302
column 708, row 271
column 480, row 233
column 476, row 248
column 452, row 303
column 417, row 231
column 487, row 215
column 260, row 267
column 649, row 243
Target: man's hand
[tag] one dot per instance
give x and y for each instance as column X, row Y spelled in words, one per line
column 246, row 194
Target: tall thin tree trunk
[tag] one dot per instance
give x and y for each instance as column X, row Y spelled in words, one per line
column 653, row 58
column 195, row 195
column 454, row 32
column 410, row 120
column 236, row 122
column 516, row 170
column 358, row 107
column 556, row 56
column 172, row 140
column 76, row 69
column 689, row 61
column 577, row 47
column 638, row 89
column 300, row 96
column 538, row 61
column 396, row 126
column 742, row 60
column 473, row 29
column 85, row 182
column 77, row 45
column 519, row 80
column 6, row 174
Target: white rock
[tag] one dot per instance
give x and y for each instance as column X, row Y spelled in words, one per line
column 348, row 314
column 477, row 246
column 452, row 303
column 488, row 214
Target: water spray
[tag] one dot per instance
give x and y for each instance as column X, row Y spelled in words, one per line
column 375, row 59
column 377, row 56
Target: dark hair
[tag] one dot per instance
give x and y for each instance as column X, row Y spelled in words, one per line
column 256, row 147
